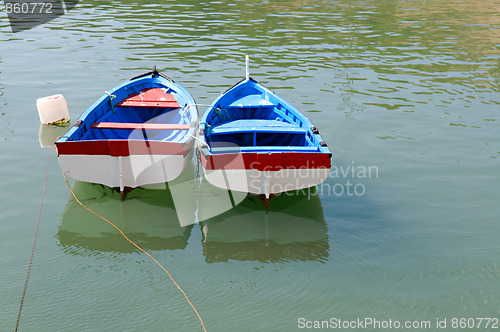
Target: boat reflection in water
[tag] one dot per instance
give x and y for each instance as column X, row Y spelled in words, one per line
column 147, row 217
column 293, row 228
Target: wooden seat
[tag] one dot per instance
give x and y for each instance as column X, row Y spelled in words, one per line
column 150, row 98
column 146, row 126
column 257, row 126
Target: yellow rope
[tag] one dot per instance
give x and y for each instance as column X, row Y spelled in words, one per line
column 133, row 243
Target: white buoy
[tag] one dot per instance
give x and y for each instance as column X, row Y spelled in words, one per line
column 52, row 109
column 247, row 74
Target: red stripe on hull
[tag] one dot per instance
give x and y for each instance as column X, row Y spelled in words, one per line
column 266, row 161
column 123, row 148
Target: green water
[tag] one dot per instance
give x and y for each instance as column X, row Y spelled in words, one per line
column 408, row 88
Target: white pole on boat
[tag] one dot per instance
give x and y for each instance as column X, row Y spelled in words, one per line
column 247, row 74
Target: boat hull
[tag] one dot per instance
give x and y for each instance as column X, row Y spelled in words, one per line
column 266, row 182
column 123, row 171
column 264, row 173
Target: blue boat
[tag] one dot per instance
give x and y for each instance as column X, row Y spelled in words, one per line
column 251, row 140
column 140, row 132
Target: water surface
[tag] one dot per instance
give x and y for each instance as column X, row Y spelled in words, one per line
column 408, row 87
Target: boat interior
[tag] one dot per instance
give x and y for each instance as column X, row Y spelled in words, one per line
column 254, row 122
column 136, row 115
column 151, row 114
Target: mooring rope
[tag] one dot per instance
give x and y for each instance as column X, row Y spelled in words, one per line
column 111, row 97
column 34, row 243
column 135, row 245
